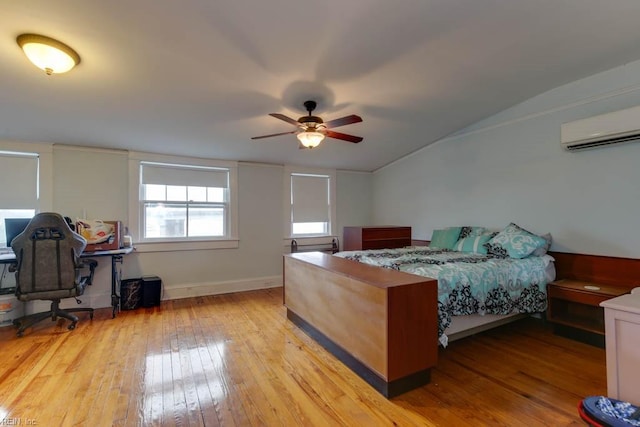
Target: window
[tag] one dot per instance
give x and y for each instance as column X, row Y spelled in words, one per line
column 184, row 200
column 21, row 170
column 310, row 208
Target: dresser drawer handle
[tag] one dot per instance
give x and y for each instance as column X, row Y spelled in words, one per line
column 592, row 288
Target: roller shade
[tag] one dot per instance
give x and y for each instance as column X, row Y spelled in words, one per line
column 19, row 175
column 162, row 174
column 309, row 198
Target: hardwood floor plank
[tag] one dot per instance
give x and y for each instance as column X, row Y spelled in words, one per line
column 152, row 397
column 243, row 332
column 219, row 370
column 235, row 360
column 214, row 409
column 130, row 382
column 214, row 395
column 186, row 360
column 97, row 368
column 307, row 402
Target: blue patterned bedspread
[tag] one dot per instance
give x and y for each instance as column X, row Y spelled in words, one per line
column 469, row 283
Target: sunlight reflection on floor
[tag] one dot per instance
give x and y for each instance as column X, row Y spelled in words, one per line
column 167, row 374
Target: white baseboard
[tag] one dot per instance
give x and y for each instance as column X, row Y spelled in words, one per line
column 201, row 289
column 102, row 299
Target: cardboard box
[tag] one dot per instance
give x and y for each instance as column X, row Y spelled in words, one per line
column 10, row 309
column 114, row 241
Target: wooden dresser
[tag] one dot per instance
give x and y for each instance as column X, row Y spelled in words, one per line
column 375, row 237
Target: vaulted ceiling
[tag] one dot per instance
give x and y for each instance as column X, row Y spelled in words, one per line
column 198, row 77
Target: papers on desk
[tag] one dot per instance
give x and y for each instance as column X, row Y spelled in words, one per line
column 7, row 257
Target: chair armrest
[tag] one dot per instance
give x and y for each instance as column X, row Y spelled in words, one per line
column 92, row 264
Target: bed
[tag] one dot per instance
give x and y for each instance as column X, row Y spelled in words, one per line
column 470, row 283
column 385, row 312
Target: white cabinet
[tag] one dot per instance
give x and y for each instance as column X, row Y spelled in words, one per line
column 622, row 334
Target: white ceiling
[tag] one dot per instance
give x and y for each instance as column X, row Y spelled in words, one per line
column 198, row 77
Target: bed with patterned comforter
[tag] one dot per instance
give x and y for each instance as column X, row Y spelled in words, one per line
column 470, row 283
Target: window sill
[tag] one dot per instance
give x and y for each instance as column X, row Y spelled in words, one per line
column 186, row 246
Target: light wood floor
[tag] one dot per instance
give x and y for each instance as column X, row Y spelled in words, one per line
column 235, row 360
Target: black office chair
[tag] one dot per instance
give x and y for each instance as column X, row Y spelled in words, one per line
column 48, row 267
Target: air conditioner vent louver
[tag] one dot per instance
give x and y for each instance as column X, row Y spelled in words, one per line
column 607, row 129
column 596, row 144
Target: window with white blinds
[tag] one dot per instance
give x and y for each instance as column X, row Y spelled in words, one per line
column 20, row 200
column 21, row 170
column 180, row 202
column 310, row 202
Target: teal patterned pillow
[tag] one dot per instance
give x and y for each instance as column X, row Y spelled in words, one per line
column 445, row 239
column 473, row 244
column 514, row 242
column 468, row 231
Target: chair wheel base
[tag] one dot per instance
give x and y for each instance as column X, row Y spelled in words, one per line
column 54, row 314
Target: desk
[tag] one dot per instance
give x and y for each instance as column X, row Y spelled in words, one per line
column 116, row 258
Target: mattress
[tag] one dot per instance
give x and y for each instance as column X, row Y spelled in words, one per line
column 470, row 283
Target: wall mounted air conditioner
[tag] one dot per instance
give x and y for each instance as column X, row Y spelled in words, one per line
column 607, row 129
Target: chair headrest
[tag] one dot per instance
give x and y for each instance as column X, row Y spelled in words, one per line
column 57, row 229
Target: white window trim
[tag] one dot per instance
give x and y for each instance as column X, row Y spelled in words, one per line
column 315, row 239
column 45, row 169
column 228, row 242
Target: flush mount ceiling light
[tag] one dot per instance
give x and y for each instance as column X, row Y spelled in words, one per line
column 310, row 138
column 48, row 54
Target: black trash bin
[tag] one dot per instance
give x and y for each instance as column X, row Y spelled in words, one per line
column 130, row 294
column 151, row 291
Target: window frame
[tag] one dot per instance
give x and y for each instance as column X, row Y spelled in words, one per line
column 289, row 171
column 137, row 205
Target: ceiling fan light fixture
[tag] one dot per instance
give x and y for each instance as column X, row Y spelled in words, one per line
column 312, row 129
column 310, row 138
column 50, row 55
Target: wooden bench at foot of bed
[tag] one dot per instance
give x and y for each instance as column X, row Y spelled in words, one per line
column 381, row 323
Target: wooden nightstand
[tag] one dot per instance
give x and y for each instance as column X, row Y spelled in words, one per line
column 574, row 308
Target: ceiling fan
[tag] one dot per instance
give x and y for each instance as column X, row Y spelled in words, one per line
column 312, row 129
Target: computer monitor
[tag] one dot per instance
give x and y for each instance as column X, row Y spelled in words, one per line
column 13, row 227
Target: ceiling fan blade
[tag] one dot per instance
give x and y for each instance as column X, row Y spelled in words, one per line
column 285, row 118
column 274, row 134
column 347, row 120
column 343, row 136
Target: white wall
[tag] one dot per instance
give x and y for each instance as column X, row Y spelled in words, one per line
column 94, row 182
column 354, row 199
column 511, row 167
